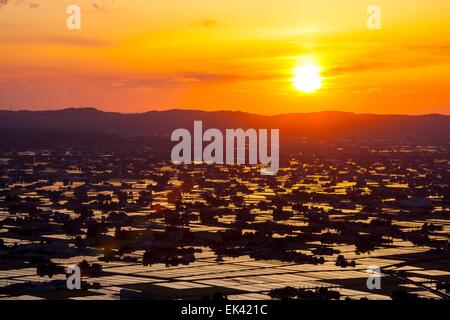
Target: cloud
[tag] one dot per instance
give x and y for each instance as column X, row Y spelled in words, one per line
column 59, row 40
column 100, row 6
column 375, row 90
column 205, row 23
column 163, row 81
column 75, row 41
column 206, row 76
column 184, row 79
column 395, row 58
column 31, row 4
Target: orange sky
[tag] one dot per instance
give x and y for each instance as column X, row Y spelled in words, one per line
column 140, row 55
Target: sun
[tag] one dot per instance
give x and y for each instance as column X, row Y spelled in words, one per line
column 307, row 78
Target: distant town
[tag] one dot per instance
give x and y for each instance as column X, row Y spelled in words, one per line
column 140, row 227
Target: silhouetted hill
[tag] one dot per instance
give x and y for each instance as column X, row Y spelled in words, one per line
column 321, row 124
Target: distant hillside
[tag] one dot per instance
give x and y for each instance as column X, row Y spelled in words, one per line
column 321, row 124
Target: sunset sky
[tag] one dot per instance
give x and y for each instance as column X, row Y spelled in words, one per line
column 141, row 55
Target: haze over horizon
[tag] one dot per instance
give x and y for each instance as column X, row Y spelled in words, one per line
column 129, row 55
column 217, row 110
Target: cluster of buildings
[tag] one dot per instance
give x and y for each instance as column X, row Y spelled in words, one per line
column 331, row 208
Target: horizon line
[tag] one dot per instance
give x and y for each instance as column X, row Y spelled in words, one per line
column 220, row 110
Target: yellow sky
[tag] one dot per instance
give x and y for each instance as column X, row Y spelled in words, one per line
column 140, row 55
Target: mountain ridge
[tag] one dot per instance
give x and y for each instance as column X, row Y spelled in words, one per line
column 94, row 109
column 322, row 124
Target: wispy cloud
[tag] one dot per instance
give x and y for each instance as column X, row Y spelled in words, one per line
column 395, row 58
column 100, row 6
column 206, row 23
column 83, row 42
column 58, row 40
column 97, row 5
column 31, row 4
column 163, row 81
